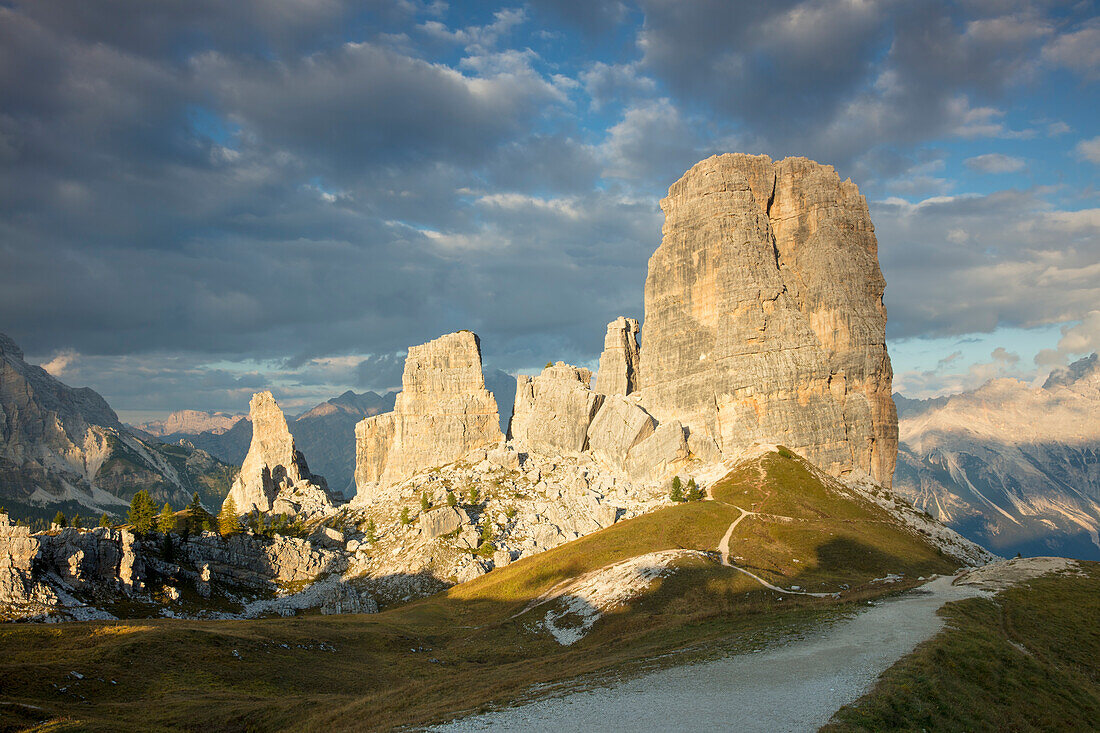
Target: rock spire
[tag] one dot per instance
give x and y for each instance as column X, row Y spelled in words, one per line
column 619, row 361
column 274, row 475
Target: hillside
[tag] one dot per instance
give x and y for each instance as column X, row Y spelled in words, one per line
column 662, row 588
column 1012, row 467
column 64, row 447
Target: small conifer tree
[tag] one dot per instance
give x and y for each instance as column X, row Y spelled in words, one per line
column 425, row 503
column 104, row 521
column 75, row 521
column 452, row 500
column 59, row 519
column 475, row 495
column 143, row 512
column 195, row 514
column 370, row 531
column 228, row 523
column 486, row 547
column 677, row 492
column 694, row 493
column 166, row 522
column 405, row 515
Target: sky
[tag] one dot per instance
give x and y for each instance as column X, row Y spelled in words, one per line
column 200, row 199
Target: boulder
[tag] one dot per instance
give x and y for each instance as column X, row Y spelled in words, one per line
column 442, row 520
column 553, row 410
column 661, row 453
column 764, row 318
column 619, row 362
column 618, row 426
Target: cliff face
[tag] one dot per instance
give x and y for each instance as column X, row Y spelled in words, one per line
column 764, row 314
column 442, row 412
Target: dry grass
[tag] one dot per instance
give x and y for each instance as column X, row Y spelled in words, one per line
column 460, row 650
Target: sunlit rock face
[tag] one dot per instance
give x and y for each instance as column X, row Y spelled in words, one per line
column 620, row 360
column 442, row 412
column 274, row 475
column 764, row 318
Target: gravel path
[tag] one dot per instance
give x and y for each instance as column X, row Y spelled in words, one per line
column 796, row 686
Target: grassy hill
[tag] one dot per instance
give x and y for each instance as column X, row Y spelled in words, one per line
column 483, row 642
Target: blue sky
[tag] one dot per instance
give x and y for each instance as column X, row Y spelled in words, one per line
column 199, row 199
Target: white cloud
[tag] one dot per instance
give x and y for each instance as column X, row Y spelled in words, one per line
column 994, row 163
column 1089, row 150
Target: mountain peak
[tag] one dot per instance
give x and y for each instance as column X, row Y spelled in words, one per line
column 1075, row 372
column 8, row 346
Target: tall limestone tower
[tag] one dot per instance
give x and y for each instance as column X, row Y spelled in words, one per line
column 764, row 318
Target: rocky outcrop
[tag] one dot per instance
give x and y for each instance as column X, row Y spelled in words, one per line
column 553, row 410
column 619, row 362
column 37, row 571
column 764, row 319
column 275, row 476
column 259, row 563
column 618, row 427
column 442, row 412
column 191, row 422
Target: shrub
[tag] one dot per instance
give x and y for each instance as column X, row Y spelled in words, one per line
column 452, row 500
column 405, row 519
column 475, row 495
column 425, row 503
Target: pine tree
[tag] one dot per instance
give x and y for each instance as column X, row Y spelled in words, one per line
column 694, row 493
column 371, row 529
column 143, row 512
column 195, row 515
column 228, row 523
column 405, row 515
column 677, row 492
column 452, row 500
column 104, row 521
column 425, row 504
column 60, row 520
column 475, row 495
column 167, row 520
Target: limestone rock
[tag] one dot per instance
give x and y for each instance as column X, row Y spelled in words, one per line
column 441, row 521
column 442, row 412
column 764, row 319
column 661, row 453
column 553, row 410
column 257, row 562
column 619, row 362
column 275, row 476
column 618, row 426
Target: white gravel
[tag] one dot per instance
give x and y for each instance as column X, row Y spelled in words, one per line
column 796, row 686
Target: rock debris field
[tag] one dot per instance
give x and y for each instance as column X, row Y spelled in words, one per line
column 796, row 686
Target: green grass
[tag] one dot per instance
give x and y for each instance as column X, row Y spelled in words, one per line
column 1026, row 660
column 462, row 650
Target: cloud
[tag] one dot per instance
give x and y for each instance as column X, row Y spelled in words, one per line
column 994, row 163
column 1077, row 339
column 942, row 380
column 1078, row 50
column 1089, row 150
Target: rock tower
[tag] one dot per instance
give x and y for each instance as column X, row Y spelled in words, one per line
column 442, row 413
column 764, row 318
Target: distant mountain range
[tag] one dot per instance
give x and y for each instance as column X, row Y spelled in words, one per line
column 1012, row 467
column 185, row 422
column 64, row 447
